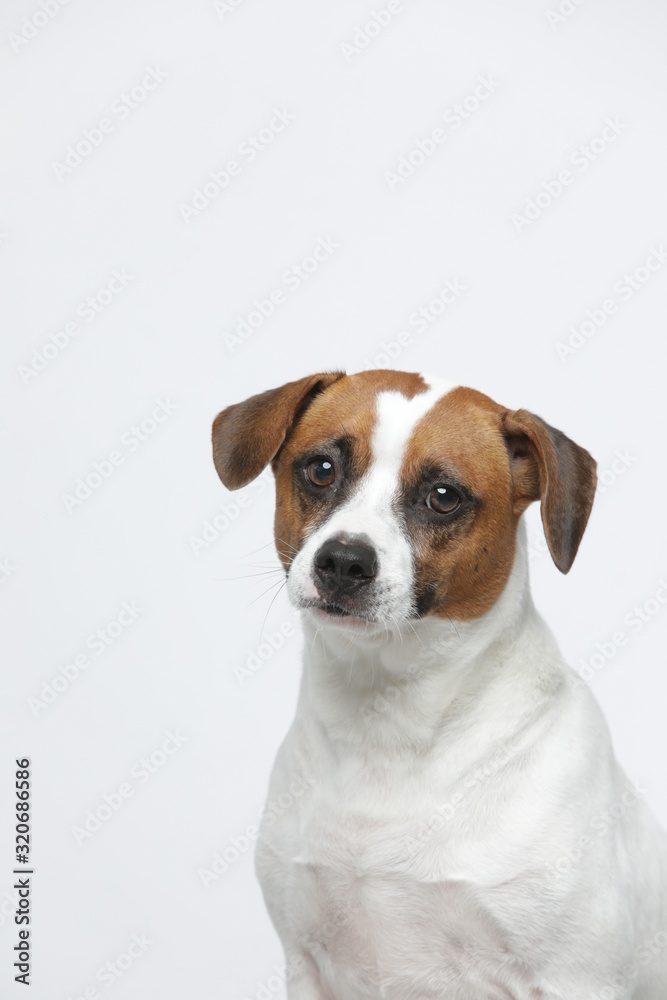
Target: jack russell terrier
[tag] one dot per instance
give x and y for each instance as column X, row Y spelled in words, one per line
column 465, row 830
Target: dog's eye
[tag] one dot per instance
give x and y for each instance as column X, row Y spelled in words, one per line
column 443, row 499
column 321, row 472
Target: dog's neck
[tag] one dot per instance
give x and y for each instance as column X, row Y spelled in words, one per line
column 398, row 689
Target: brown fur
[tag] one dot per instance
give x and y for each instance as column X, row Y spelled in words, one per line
column 468, row 574
column 508, row 460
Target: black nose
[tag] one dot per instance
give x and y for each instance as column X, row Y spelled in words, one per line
column 345, row 562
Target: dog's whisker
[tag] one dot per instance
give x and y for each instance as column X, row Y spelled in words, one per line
column 261, row 548
column 317, row 632
column 349, row 676
column 398, row 627
column 414, row 630
column 341, row 656
column 246, row 576
column 283, row 541
column 273, row 599
column 265, row 592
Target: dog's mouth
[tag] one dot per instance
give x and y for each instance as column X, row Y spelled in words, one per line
column 331, row 612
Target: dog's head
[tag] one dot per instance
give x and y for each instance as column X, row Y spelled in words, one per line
column 399, row 496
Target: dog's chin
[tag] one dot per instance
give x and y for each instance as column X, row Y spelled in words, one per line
column 353, row 613
column 326, row 614
column 338, row 617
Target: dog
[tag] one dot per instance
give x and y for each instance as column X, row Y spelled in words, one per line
column 455, row 824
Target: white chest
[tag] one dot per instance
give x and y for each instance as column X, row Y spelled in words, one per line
column 376, row 885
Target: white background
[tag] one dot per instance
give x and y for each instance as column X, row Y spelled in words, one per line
column 163, row 337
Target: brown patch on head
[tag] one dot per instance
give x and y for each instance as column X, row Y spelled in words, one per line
column 463, row 561
column 339, row 424
column 499, row 462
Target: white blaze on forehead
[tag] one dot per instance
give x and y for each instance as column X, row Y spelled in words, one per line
column 397, row 418
column 369, row 510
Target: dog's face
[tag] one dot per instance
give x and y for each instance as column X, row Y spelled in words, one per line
column 398, row 496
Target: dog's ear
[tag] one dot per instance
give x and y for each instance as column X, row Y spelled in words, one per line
column 547, row 466
column 248, row 435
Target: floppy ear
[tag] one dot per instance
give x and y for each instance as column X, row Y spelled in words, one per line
column 248, row 435
column 548, row 466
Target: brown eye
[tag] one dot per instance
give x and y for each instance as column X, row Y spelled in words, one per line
column 443, row 499
column 321, row 472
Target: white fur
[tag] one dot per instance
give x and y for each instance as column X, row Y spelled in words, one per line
column 451, row 770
